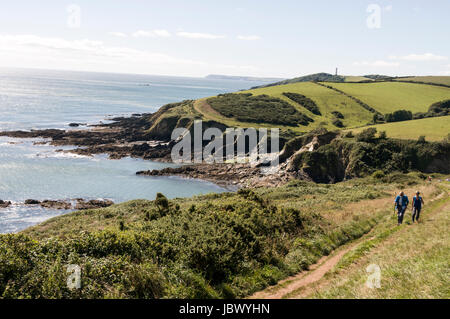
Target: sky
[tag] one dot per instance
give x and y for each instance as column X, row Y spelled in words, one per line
column 285, row 38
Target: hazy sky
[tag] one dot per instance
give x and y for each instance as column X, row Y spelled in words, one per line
column 284, row 38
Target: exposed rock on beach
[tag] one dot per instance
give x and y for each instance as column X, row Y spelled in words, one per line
column 4, row 204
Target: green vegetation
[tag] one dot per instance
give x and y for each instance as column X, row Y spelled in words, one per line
column 258, row 109
column 169, row 117
column 399, row 116
column 221, row 245
column 307, row 103
column 437, row 109
column 318, row 77
column 345, row 158
column 356, row 79
column 386, row 97
column 439, row 80
column 299, row 107
column 358, row 101
column 338, row 114
column 338, row 123
column 435, row 129
column 328, row 101
column 233, row 244
column 378, row 77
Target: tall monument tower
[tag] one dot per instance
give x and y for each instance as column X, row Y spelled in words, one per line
column 336, row 71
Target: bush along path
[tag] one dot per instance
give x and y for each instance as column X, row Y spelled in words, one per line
column 330, row 271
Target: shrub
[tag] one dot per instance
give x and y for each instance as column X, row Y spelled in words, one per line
column 161, row 202
column 368, row 135
column 349, row 134
column 338, row 123
column 398, row 116
column 258, row 109
column 144, row 281
column 436, row 109
column 382, row 135
column 338, row 114
column 378, row 174
column 440, row 108
column 307, row 103
column 378, row 118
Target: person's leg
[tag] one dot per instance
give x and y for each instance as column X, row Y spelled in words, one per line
column 418, row 213
column 401, row 213
column 414, row 214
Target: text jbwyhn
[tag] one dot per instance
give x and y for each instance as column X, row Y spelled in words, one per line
column 227, row 309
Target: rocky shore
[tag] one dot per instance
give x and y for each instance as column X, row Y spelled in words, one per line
column 130, row 137
column 76, row 204
column 230, row 176
column 122, row 138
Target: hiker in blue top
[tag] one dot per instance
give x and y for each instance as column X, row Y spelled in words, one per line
column 401, row 203
column 417, row 207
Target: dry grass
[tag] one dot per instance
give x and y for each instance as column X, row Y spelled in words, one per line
column 414, row 260
column 331, row 272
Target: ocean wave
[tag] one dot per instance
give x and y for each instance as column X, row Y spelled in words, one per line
column 62, row 155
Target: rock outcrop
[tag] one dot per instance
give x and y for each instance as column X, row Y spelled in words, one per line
column 92, row 204
column 4, row 204
column 56, row 204
column 32, row 202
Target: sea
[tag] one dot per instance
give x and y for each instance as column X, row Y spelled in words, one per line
column 39, row 99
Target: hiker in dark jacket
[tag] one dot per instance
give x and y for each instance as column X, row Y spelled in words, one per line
column 417, row 207
column 401, row 203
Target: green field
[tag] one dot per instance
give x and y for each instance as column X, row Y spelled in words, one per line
column 384, row 97
column 428, row 79
column 387, row 97
column 327, row 100
column 434, row 129
column 351, row 78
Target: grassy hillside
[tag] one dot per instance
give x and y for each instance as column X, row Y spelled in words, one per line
column 434, row 129
column 222, row 245
column 387, row 97
column 328, row 101
column 300, row 107
column 427, row 79
column 351, row 78
column 309, row 78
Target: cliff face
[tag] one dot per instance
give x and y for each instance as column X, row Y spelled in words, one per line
column 345, row 158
